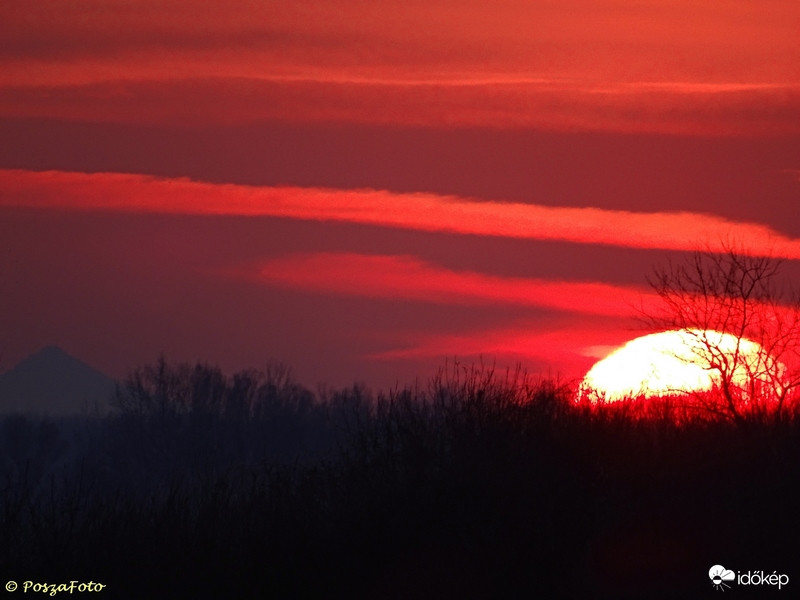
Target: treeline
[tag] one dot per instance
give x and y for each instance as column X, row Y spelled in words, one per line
column 469, row 486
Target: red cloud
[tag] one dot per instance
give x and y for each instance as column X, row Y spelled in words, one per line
column 405, row 277
column 420, row 211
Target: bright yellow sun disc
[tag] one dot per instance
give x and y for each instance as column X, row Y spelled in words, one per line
column 665, row 363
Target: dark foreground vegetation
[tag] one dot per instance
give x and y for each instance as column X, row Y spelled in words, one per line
column 472, row 486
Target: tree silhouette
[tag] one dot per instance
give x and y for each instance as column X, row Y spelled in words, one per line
column 744, row 325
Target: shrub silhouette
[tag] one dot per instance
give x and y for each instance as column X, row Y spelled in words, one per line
column 476, row 483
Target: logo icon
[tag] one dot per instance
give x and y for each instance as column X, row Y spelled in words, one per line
column 719, row 575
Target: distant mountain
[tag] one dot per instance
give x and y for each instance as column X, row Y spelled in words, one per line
column 51, row 382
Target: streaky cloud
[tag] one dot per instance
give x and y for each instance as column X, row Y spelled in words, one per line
column 585, row 65
column 495, row 101
column 418, row 211
column 409, row 278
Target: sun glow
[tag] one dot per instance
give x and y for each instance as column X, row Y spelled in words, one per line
column 668, row 363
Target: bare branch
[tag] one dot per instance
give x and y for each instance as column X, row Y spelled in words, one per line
column 732, row 293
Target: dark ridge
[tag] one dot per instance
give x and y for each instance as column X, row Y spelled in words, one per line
column 52, row 382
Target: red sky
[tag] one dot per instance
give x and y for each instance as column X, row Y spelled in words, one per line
column 364, row 190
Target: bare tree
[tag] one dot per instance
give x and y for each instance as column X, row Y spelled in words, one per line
column 743, row 323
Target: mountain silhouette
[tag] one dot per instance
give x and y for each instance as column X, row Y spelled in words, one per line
column 51, row 382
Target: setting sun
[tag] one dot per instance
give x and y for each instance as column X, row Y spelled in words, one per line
column 667, row 363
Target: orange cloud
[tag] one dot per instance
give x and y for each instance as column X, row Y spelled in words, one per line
column 408, row 278
column 498, row 102
column 592, row 40
column 675, row 66
column 419, row 211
